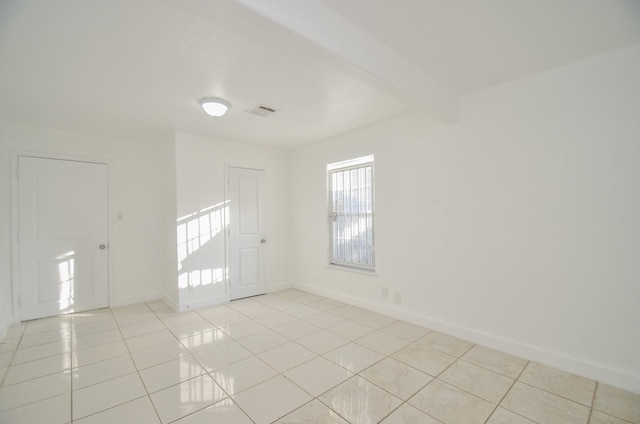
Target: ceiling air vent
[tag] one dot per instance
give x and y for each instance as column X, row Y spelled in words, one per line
column 262, row 110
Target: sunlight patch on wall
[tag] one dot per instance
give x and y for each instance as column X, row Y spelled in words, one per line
column 66, row 273
column 199, row 264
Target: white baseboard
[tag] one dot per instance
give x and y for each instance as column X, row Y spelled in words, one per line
column 595, row 371
column 279, row 287
column 125, row 301
column 3, row 332
column 201, row 303
column 172, row 303
column 214, row 300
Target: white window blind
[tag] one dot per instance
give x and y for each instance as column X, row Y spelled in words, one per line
column 351, row 213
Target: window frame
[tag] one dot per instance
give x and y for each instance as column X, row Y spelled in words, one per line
column 362, row 162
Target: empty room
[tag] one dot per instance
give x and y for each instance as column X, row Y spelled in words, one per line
column 320, row 211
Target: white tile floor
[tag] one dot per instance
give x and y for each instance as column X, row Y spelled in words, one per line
column 286, row 357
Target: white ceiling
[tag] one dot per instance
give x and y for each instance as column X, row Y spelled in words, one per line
column 136, row 68
column 474, row 44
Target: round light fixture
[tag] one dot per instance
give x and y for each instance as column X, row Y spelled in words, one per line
column 214, row 106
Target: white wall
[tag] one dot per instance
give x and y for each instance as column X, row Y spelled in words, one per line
column 136, row 192
column 516, row 228
column 169, row 268
column 6, row 303
column 200, row 169
column 151, row 184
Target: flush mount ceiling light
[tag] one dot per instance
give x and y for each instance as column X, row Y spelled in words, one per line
column 214, row 106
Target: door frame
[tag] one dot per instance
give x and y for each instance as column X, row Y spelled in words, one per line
column 227, row 233
column 16, row 311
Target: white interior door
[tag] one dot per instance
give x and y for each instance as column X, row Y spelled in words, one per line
column 247, row 241
column 63, row 236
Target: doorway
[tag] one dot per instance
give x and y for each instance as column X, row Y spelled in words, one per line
column 247, row 233
column 63, row 246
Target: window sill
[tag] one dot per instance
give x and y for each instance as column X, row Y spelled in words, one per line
column 356, row 270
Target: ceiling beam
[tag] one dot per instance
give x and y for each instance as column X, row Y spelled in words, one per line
column 354, row 52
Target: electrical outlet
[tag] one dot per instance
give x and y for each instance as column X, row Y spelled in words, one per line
column 397, row 297
column 385, row 292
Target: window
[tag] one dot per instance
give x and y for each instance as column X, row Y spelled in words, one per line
column 351, row 213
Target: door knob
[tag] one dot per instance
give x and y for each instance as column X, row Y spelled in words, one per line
column 102, row 246
column 263, row 241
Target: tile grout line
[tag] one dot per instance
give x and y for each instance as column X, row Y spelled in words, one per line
column 435, row 377
column 4, row 377
column 245, row 311
column 15, row 351
column 278, row 373
column 349, row 341
column 316, row 355
column 206, row 372
column 255, row 355
column 385, row 356
column 515, row 380
column 111, row 379
column 313, row 397
column 71, row 355
column 555, row 394
column 593, row 403
column 153, row 405
column 403, row 401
